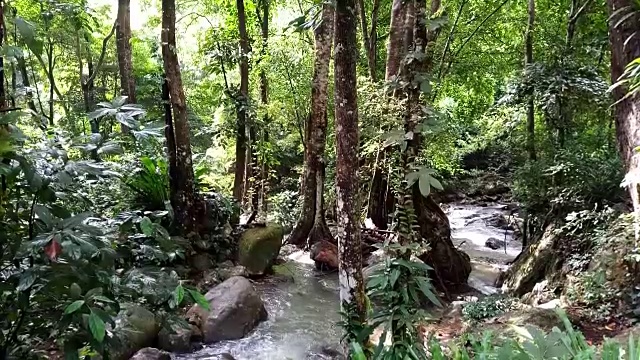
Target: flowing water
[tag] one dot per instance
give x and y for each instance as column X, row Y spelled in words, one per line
column 303, row 313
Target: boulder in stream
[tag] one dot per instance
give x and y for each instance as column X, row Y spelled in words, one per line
column 151, row 354
column 495, row 244
column 325, row 255
column 259, row 247
column 235, row 309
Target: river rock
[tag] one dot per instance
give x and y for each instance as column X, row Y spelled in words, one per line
column 136, row 328
column 175, row 340
column 259, row 248
column 325, row 352
column 223, row 356
column 325, row 255
column 494, row 244
column 151, row 354
column 201, row 262
column 235, row 309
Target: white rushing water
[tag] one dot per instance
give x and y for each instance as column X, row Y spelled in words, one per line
column 303, row 314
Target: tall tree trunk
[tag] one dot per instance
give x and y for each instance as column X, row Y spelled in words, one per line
column 380, row 200
column 451, row 266
column 123, row 47
column 3, row 92
column 316, row 133
column 347, row 146
column 185, row 201
column 264, row 99
column 625, row 47
column 241, row 103
column 531, row 124
column 395, row 48
column 369, row 39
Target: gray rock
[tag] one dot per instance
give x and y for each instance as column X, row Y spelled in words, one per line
column 201, row 262
column 235, row 309
column 325, row 352
column 494, row 244
column 224, row 356
column 136, row 328
column 151, row 354
column 175, row 340
column 228, row 272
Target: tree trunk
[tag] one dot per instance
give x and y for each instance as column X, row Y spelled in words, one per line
column 316, row 133
column 625, row 47
column 186, row 204
column 264, row 99
column 123, row 47
column 369, row 38
column 395, row 49
column 451, row 266
column 241, row 103
column 531, row 124
column 347, row 147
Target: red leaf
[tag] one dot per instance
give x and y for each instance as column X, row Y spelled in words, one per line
column 53, row 249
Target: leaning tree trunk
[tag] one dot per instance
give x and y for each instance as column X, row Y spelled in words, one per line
column 347, row 145
column 241, row 105
column 187, row 206
column 625, row 47
column 451, row 266
column 311, row 221
column 123, row 47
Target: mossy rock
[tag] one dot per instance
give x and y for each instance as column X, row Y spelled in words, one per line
column 259, row 247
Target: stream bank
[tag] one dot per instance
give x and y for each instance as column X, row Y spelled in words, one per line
column 303, row 311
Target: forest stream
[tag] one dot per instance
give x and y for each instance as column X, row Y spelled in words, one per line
column 303, row 313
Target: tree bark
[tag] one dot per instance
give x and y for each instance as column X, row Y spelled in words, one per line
column 123, row 47
column 264, row 99
column 531, row 124
column 241, row 103
column 395, row 49
column 625, row 47
column 380, row 200
column 347, row 146
column 186, row 204
column 451, row 266
column 316, row 133
column 369, row 39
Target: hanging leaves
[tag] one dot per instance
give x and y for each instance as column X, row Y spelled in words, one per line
column 97, row 327
column 28, row 33
column 425, row 179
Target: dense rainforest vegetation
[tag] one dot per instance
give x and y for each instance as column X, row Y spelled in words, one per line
column 155, row 154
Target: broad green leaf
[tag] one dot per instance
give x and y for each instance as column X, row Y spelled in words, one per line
column 97, row 327
column 73, row 307
column 199, row 299
column 45, row 216
column 356, row 352
column 147, row 226
column 425, row 185
column 75, row 220
column 178, row 294
column 28, row 33
column 435, row 183
column 27, row 279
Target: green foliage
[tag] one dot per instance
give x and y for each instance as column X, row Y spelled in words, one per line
column 487, row 307
column 568, row 182
column 150, row 182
